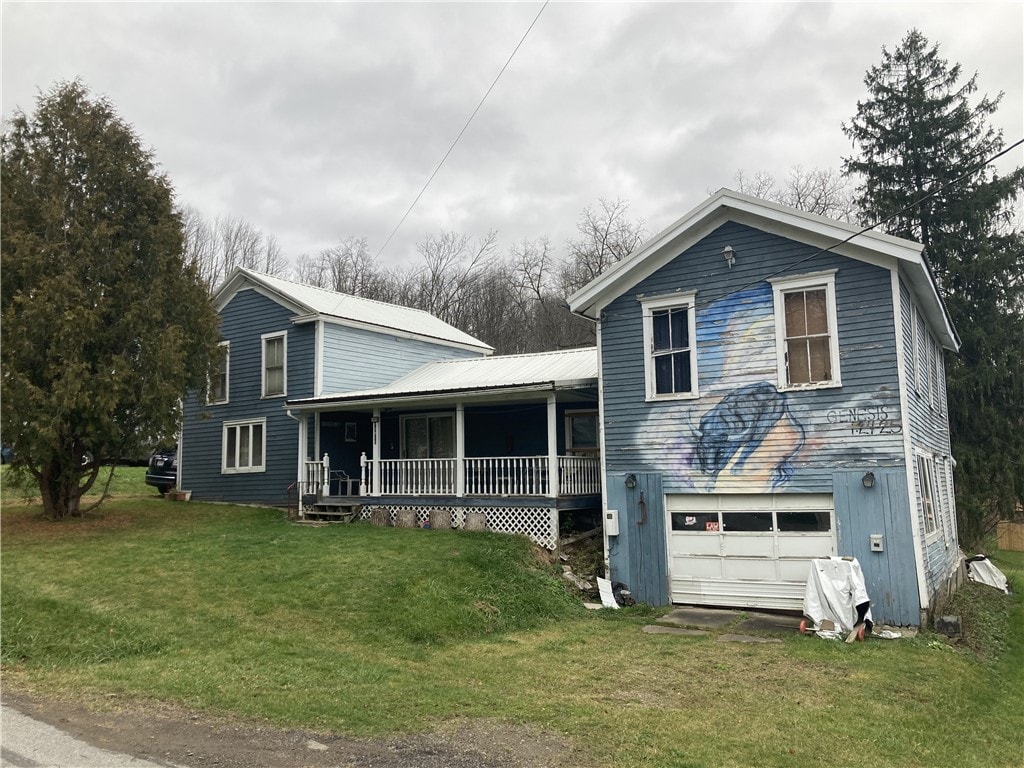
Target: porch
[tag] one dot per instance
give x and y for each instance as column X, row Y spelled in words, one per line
column 505, row 437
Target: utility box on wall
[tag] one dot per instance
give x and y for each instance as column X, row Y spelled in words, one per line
column 611, row 522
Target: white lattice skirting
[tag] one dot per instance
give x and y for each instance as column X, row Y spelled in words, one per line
column 539, row 523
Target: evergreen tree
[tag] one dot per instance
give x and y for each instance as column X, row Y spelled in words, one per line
column 104, row 328
column 918, row 133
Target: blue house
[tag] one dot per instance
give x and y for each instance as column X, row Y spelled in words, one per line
column 331, row 402
column 772, row 390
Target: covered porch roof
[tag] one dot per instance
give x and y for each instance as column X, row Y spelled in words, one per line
column 501, row 377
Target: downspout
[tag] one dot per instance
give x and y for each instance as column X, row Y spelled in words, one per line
column 300, row 453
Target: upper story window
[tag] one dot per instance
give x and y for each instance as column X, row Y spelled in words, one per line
column 219, row 376
column 920, row 354
column 807, row 342
column 670, row 349
column 275, row 364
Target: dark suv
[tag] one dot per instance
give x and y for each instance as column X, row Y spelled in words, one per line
column 162, row 473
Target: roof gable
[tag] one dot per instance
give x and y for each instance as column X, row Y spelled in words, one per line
column 308, row 303
column 818, row 231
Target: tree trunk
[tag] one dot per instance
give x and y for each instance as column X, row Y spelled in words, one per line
column 59, row 492
column 61, row 488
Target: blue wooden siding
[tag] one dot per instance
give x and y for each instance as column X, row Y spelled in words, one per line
column 855, row 426
column 246, row 317
column 638, row 556
column 358, row 358
column 891, row 575
column 929, row 434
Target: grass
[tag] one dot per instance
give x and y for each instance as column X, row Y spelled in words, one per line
column 374, row 631
column 127, row 481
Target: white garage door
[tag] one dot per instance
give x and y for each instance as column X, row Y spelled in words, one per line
column 748, row 551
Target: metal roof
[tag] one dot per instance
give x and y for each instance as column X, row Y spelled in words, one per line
column 354, row 309
column 563, row 368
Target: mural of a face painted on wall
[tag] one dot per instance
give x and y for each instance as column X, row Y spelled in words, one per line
column 751, row 437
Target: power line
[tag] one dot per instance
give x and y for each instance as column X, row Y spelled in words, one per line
column 470, row 120
column 869, row 227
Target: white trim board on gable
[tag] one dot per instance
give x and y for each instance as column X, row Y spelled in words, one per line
column 309, row 303
column 817, row 231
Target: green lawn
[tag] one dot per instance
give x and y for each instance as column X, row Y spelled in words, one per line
column 127, row 481
column 372, row 631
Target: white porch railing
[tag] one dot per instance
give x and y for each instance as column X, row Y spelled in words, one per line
column 315, row 477
column 507, row 476
column 416, row 477
column 579, row 475
column 483, row 476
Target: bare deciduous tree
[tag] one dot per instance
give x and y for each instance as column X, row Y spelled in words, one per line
column 215, row 249
column 823, row 191
column 607, row 235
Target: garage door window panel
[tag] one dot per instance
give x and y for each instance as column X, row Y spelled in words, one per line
column 746, row 522
column 804, row 522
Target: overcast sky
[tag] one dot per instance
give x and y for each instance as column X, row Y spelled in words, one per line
column 319, row 121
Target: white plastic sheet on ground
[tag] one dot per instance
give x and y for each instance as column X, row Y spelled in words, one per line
column 835, row 587
column 980, row 569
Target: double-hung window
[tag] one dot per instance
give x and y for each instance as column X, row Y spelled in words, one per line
column 218, row 394
column 244, row 446
column 670, row 344
column 926, row 483
column 807, row 342
column 275, row 364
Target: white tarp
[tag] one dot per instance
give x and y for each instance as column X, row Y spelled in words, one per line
column 835, row 587
column 980, row 569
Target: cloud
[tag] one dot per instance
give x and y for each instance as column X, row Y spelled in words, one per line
column 317, row 121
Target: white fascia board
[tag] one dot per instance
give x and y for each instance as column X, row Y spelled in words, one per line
column 726, row 205
column 413, row 399
column 241, row 280
column 387, row 331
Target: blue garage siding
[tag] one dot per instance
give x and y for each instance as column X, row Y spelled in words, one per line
column 244, row 320
column 356, row 358
column 882, row 510
column 855, row 426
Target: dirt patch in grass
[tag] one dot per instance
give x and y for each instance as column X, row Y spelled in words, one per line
column 30, row 521
column 174, row 734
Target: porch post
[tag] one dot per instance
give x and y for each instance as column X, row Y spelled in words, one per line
column 552, row 447
column 375, row 490
column 460, row 449
column 300, row 471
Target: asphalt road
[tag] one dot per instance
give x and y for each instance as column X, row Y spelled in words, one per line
column 28, row 743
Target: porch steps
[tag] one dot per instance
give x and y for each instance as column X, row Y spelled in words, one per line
column 334, row 509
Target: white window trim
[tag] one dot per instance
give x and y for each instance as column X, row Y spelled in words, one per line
column 915, row 336
column 236, row 470
column 263, row 364
column 675, row 301
column 403, row 418
column 929, row 464
column 781, row 285
column 568, row 431
column 227, row 377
